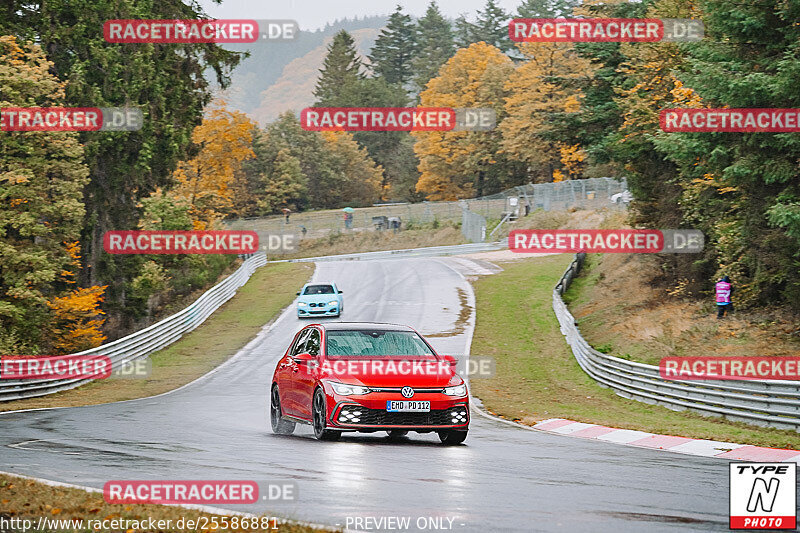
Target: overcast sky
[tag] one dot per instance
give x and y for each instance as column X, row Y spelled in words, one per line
column 313, row 14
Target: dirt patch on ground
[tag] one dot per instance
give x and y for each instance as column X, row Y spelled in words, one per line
column 622, row 312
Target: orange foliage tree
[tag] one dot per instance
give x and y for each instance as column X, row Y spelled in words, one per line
column 225, row 141
column 458, row 164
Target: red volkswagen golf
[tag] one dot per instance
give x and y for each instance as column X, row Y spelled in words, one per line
column 367, row 377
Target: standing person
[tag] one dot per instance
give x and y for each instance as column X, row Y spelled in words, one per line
column 286, row 213
column 724, row 290
column 348, row 220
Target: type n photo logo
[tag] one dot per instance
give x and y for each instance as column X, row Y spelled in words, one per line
column 763, row 495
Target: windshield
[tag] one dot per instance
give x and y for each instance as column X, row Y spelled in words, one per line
column 375, row 343
column 319, row 289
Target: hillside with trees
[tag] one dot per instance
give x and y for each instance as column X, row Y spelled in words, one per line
column 564, row 111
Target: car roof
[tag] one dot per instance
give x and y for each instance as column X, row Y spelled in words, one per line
column 349, row 326
column 319, row 283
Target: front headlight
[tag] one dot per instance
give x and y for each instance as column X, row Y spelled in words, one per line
column 334, row 302
column 458, row 390
column 301, row 304
column 348, row 390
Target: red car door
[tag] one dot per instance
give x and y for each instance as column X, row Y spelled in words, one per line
column 305, row 377
column 287, row 374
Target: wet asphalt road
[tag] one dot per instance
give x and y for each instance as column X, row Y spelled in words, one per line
column 501, row 479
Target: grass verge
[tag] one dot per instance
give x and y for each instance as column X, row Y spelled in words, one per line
column 23, row 499
column 537, row 376
column 269, row 290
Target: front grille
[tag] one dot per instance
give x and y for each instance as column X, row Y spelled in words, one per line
column 398, row 389
column 380, row 417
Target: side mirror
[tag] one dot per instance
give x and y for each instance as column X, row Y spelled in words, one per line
column 298, row 293
column 340, row 291
column 303, row 358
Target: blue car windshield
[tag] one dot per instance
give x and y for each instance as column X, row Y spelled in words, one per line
column 319, row 289
column 375, row 343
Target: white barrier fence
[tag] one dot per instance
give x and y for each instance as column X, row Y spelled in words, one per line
column 146, row 341
column 772, row 403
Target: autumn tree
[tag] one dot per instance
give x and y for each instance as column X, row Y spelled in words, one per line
column 286, row 185
column 541, row 89
column 76, row 323
column 462, row 164
column 171, row 83
column 359, row 177
column 224, row 142
column 42, row 175
column 742, row 189
column 334, row 169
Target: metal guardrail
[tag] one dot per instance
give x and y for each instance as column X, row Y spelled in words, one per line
column 430, row 251
column 762, row 402
column 145, row 341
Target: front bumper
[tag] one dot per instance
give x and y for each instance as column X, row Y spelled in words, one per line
column 328, row 310
column 368, row 412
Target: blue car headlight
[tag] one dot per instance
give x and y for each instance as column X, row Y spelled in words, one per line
column 301, row 304
column 334, row 302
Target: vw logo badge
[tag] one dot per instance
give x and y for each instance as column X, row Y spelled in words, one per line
column 407, row 392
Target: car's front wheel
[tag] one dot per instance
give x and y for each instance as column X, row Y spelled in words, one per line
column 279, row 425
column 450, row 437
column 319, row 415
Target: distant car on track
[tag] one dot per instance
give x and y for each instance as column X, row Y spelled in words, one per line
column 367, row 377
column 319, row 299
column 623, row 197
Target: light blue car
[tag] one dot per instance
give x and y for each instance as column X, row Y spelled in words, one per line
column 319, row 299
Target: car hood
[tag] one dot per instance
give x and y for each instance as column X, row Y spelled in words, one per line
column 390, row 372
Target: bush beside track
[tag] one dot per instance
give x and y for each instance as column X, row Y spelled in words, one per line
column 261, row 299
column 538, row 378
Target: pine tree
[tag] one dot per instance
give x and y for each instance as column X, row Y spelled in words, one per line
column 531, row 9
column 490, row 26
column 436, row 44
column 341, row 69
column 394, row 49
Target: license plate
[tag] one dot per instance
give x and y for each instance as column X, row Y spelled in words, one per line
column 407, row 406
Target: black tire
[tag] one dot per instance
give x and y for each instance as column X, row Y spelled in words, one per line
column 320, row 416
column 397, row 434
column 451, row 437
column 279, row 425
